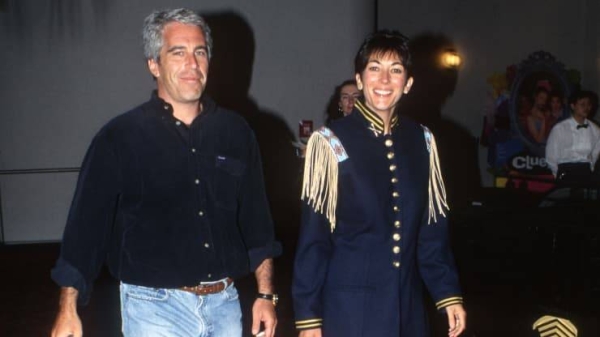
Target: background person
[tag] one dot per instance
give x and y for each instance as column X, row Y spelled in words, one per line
column 536, row 121
column 573, row 144
column 342, row 101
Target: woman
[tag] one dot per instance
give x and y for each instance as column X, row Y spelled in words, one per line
column 536, row 121
column 374, row 218
column 342, row 101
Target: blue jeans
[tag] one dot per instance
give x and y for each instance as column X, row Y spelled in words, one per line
column 157, row 312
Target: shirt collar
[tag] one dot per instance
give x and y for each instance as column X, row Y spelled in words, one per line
column 165, row 109
column 373, row 121
column 574, row 123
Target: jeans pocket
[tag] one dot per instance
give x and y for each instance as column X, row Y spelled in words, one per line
column 145, row 293
column 231, row 293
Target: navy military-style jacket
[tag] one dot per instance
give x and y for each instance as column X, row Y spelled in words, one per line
column 360, row 270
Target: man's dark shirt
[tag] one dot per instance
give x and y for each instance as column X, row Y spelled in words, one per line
column 168, row 205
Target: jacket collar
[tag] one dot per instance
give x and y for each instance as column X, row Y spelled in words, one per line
column 372, row 120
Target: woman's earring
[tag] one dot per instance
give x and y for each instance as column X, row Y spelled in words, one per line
column 359, row 86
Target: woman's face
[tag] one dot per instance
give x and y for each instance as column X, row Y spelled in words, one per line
column 541, row 98
column 383, row 82
column 348, row 95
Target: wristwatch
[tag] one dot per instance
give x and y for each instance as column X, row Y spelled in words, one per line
column 274, row 298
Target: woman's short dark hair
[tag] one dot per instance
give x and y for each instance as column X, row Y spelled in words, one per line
column 383, row 42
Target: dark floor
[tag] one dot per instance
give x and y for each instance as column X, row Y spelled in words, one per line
column 517, row 262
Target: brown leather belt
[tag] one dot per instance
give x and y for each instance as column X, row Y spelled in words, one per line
column 207, row 289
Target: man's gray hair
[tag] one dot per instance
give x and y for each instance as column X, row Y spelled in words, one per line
column 155, row 23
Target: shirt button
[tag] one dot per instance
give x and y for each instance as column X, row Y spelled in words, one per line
column 209, row 275
column 206, row 245
column 394, row 180
column 395, row 194
column 166, row 107
column 197, row 181
column 193, row 150
column 392, row 167
column 396, row 250
column 397, row 223
column 178, row 123
column 396, row 264
column 201, row 213
column 390, row 155
column 389, row 143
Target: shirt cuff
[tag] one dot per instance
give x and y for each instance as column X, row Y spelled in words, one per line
column 448, row 301
column 65, row 275
column 309, row 323
column 258, row 255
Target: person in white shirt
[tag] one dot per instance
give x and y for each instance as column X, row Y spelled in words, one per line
column 574, row 143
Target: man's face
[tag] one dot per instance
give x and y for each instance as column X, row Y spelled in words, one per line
column 182, row 66
column 582, row 108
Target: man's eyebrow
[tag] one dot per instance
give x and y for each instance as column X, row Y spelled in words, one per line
column 174, row 48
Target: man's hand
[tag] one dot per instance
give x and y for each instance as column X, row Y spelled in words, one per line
column 67, row 323
column 457, row 319
column 264, row 311
column 310, row 333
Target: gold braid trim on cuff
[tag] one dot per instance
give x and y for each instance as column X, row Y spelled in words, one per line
column 309, row 324
column 449, row 301
column 319, row 185
column 437, row 190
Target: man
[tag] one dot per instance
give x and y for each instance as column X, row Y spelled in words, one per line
column 171, row 196
column 573, row 144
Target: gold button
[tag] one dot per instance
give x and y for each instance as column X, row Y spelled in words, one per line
column 397, row 264
column 392, row 167
column 390, row 155
column 394, row 180
column 397, row 223
column 396, row 237
column 395, row 194
column 396, row 209
column 389, row 143
column 396, row 250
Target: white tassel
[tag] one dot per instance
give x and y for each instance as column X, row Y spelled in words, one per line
column 319, row 185
column 437, row 190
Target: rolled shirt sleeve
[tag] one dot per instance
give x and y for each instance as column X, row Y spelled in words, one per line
column 254, row 214
column 90, row 221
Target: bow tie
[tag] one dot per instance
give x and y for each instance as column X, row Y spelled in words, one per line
column 582, row 126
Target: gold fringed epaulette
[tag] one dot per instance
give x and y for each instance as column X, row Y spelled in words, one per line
column 437, row 190
column 319, row 186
